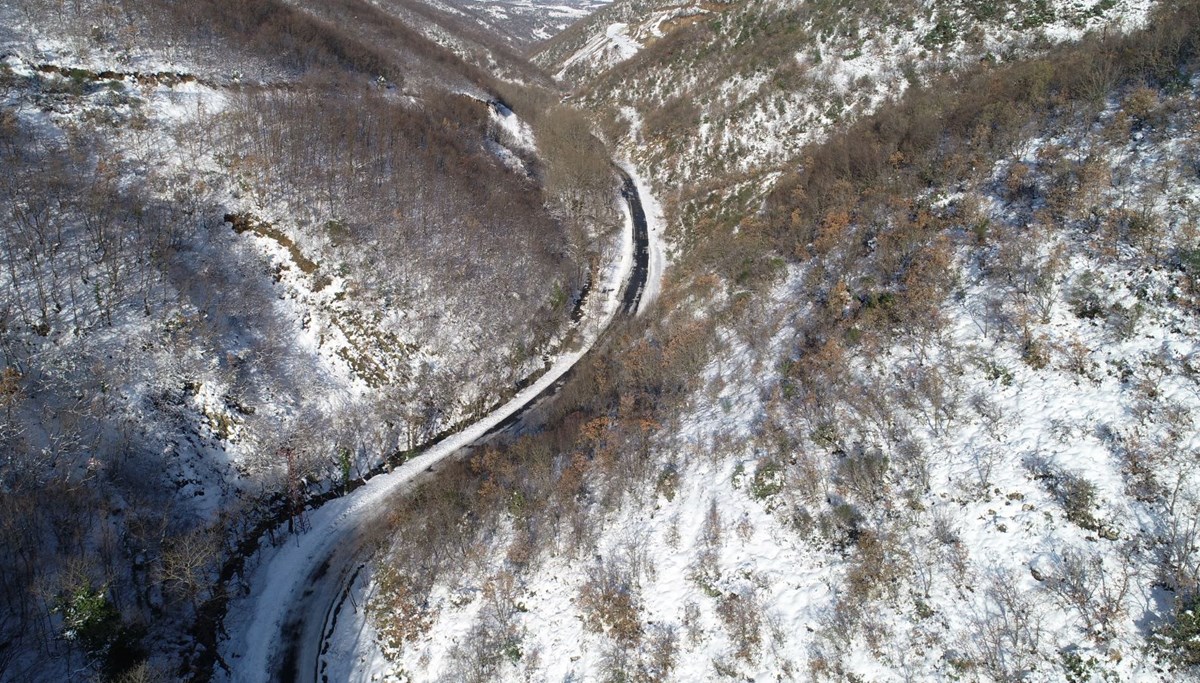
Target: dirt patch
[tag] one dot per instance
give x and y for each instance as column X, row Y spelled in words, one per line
column 242, row 222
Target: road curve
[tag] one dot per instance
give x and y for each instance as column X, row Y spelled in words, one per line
column 278, row 632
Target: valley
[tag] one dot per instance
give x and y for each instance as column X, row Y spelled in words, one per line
column 638, row 341
column 298, row 599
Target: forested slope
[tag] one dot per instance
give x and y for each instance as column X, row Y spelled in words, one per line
column 929, row 412
column 250, row 250
column 719, row 99
column 525, row 23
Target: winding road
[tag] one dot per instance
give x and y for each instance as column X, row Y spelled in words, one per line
column 279, row 631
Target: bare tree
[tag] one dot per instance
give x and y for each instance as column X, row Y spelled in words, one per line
column 1006, row 638
column 187, row 564
column 1083, row 582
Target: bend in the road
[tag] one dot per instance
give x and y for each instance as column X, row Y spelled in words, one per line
column 302, row 580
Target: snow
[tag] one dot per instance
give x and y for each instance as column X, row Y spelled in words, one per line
column 1059, row 416
column 749, row 124
column 525, row 21
column 611, row 47
column 626, row 47
column 796, row 583
column 515, row 137
column 519, row 131
column 254, row 622
column 346, row 659
column 197, row 443
column 983, row 521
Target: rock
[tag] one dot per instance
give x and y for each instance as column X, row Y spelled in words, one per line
column 1041, row 567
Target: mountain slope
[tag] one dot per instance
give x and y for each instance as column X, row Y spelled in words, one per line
column 251, row 251
column 719, row 98
column 525, row 23
column 928, row 414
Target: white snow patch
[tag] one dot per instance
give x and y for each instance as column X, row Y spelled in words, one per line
column 611, row 47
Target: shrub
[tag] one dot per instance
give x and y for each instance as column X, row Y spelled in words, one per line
column 826, row 435
column 864, row 473
column 658, row 658
column 143, row 672
column 1019, row 184
column 1078, row 498
column 1141, row 105
column 997, row 372
column 691, row 623
column 668, row 482
column 1081, row 581
column 1035, row 352
column 767, row 481
column 942, row 34
column 89, row 618
column 840, row 525
column 1123, row 321
column 1085, row 300
column 1039, row 13
column 1181, row 638
column 1076, row 669
column 1077, row 358
column 1008, row 634
column 610, row 603
column 399, row 607
column 743, row 617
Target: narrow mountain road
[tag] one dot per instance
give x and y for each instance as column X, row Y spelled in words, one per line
column 635, row 286
column 278, row 632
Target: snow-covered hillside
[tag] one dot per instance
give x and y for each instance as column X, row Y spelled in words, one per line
column 911, row 391
column 318, row 298
column 251, row 250
column 726, row 95
column 527, row 22
column 953, row 438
